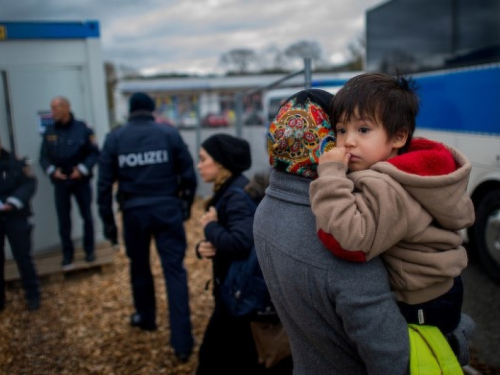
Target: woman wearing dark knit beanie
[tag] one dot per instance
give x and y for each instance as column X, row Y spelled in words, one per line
column 228, row 346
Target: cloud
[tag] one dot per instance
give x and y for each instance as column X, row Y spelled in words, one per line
column 191, row 35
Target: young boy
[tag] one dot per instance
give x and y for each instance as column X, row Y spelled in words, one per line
column 382, row 192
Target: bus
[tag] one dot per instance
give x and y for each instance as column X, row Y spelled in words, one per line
column 451, row 48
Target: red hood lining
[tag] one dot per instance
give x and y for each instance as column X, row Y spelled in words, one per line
column 425, row 158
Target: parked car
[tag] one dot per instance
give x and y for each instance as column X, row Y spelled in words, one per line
column 188, row 122
column 212, row 120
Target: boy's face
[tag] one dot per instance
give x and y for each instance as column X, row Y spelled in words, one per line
column 366, row 141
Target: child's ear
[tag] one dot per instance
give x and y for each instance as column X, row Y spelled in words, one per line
column 400, row 139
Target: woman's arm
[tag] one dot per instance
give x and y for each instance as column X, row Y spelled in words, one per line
column 232, row 234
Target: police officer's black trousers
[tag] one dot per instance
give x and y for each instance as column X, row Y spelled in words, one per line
column 17, row 229
column 83, row 195
column 164, row 223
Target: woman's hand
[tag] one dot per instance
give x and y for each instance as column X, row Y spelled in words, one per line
column 206, row 249
column 209, row 216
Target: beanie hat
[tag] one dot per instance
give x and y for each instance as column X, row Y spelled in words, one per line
column 300, row 132
column 231, row 152
column 140, row 101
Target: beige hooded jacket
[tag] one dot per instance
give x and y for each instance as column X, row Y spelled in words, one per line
column 410, row 209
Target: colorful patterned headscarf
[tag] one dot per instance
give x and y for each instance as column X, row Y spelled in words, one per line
column 300, row 132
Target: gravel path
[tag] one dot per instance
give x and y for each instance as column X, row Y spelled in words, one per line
column 82, row 326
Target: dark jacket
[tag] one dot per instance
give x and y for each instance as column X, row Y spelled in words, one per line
column 151, row 163
column 67, row 146
column 17, row 183
column 232, row 233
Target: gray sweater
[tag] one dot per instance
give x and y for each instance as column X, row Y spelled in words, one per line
column 341, row 317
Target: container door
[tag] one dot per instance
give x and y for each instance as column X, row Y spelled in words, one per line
column 31, row 91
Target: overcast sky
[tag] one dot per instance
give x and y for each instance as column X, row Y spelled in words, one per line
column 191, row 35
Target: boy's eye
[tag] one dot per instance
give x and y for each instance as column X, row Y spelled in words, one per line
column 364, row 130
column 341, row 131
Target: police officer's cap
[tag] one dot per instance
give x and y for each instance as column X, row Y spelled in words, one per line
column 142, row 102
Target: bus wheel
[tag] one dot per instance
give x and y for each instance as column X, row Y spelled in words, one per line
column 487, row 233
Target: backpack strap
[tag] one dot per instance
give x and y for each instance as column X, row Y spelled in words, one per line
column 430, row 353
column 242, row 191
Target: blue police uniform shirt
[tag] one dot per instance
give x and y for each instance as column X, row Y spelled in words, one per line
column 150, row 161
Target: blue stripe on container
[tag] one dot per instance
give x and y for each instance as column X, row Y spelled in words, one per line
column 50, row 30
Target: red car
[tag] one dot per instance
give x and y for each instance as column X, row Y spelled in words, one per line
column 212, row 120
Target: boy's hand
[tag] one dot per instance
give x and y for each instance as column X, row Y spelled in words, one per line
column 335, row 154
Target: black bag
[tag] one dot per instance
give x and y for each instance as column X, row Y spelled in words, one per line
column 244, row 291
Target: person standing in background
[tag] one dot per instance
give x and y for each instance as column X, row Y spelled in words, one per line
column 68, row 154
column 17, row 187
column 154, row 169
column 228, row 345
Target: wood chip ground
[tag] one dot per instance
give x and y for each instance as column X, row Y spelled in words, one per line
column 82, row 326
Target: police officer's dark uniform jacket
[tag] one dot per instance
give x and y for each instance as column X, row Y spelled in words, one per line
column 17, row 183
column 152, row 165
column 17, row 187
column 66, row 146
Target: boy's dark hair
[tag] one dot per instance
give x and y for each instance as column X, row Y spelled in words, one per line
column 391, row 101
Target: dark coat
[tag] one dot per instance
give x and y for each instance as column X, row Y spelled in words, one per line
column 17, row 182
column 151, row 163
column 66, row 146
column 232, row 234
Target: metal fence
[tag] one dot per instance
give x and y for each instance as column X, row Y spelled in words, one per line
column 255, row 135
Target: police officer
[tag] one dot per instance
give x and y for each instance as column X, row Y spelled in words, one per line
column 153, row 168
column 68, row 154
column 17, row 187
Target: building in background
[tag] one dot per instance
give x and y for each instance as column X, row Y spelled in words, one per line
column 211, row 101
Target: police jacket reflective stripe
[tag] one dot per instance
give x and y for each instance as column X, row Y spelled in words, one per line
column 136, row 159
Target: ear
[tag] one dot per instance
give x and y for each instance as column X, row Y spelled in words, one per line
column 400, row 139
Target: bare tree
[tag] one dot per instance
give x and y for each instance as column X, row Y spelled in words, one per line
column 239, row 60
column 356, row 52
column 305, row 49
column 111, row 81
column 271, row 58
